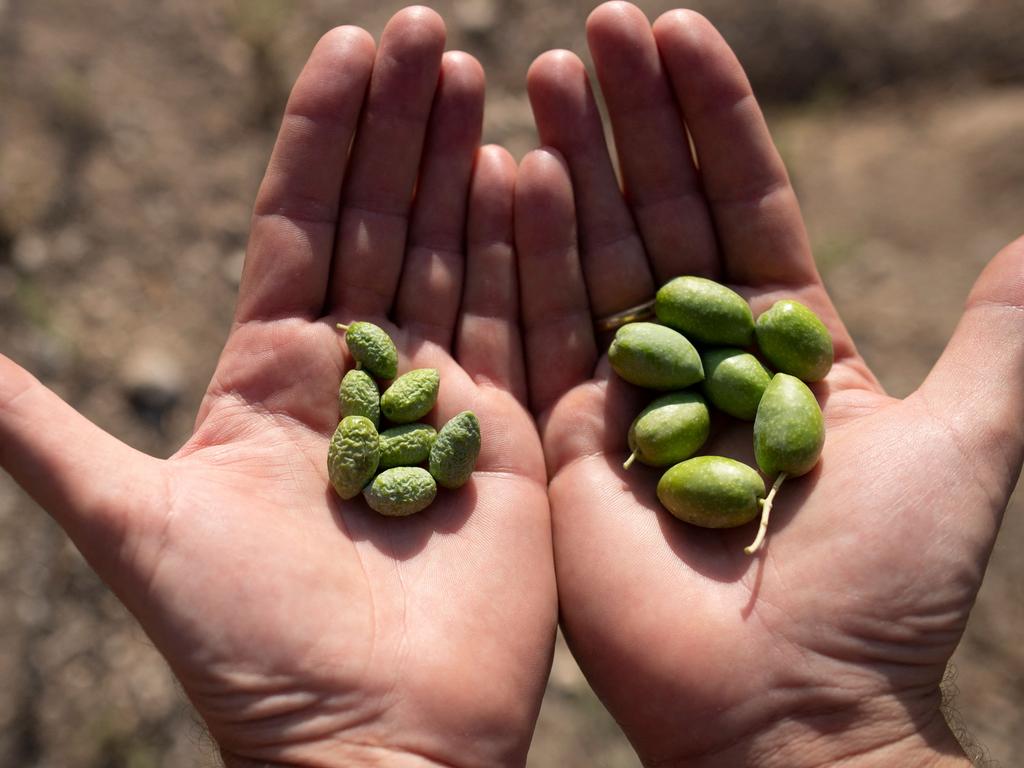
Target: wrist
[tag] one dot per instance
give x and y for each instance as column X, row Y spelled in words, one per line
column 348, row 756
column 873, row 735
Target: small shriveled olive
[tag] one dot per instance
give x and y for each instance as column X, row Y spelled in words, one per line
column 455, row 450
column 372, row 348
column 401, row 491
column 358, row 395
column 411, row 395
column 353, row 455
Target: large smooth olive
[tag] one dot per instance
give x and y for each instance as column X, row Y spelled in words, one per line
column 734, row 381
column 670, row 429
column 789, row 430
column 654, row 356
column 794, row 340
column 712, row 492
column 705, row 311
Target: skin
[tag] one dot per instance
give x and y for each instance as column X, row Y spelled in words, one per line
column 309, row 631
column 829, row 646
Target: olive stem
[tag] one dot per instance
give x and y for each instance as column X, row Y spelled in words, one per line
column 629, row 462
column 766, row 510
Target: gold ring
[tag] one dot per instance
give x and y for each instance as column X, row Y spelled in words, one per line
column 635, row 314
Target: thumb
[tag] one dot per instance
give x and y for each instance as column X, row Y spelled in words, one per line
column 977, row 386
column 94, row 486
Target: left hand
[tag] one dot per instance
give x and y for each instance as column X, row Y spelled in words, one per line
column 831, row 644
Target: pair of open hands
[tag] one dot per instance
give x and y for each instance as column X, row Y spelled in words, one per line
column 308, row 631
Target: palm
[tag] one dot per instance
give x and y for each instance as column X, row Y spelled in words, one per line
column 308, row 630
column 303, row 598
column 707, row 656
column 864, row 561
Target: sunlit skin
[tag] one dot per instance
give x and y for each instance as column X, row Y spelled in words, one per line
column 830, row 644
column 310, row 632
column 306, row 630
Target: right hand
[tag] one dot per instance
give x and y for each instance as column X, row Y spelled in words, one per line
column 830, row 645
column 307, row 630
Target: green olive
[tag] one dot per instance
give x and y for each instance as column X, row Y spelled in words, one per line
column 455, row 449
column 734, row 381
column 789, row 430
column 712, row 492
column 654, row 356
column 670, row 429
column 353, row 455
column 789, row 433
column 405, row 445
column 705, row 311
column 794, row 340
column 372, row 348
column 358, row 395
column 411, row 396
column 400, row 491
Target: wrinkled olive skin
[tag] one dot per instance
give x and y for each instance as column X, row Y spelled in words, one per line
column 795, row 341
column 401, row 491
column 353, row 455
column 405, row 445
column 670, row 429
column 454, row 452
column 411, row 396
column 358, row 395
column 705, row 312
column 712, row 492
column 373, row 349
column 734, row 381
column 789, row 430
column 654, row 356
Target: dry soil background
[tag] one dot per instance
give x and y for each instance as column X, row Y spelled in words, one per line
column 132, row 138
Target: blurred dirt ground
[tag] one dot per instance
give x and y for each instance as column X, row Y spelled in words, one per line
column 132, row 139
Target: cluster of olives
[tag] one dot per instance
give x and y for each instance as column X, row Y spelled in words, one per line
column 789, row 431
column 385, row 466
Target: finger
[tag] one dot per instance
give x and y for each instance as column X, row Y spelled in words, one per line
column 614, row 265
column 385, row 162
column 296, row 210
column 659, row 176
column 96, row 487
column 755, row 211
column 431, row 283
column 488, row 344
column 560, row 348
column 975, row 387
